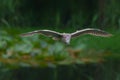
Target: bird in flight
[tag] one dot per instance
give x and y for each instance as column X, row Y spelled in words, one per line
column 66, row 37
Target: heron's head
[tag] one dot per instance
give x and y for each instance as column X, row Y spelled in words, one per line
column 66, row 38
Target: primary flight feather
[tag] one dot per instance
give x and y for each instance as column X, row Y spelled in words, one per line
column 66, row 37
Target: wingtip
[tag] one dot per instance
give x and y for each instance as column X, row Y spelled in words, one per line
column 24, row 35
column 21, row 35
column 108, row 35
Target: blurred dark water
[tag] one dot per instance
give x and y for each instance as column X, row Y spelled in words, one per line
column 108, row 70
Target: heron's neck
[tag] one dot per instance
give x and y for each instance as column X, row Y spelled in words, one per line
column 67, row 38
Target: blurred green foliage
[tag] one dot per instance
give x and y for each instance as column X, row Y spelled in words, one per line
column 38, row 50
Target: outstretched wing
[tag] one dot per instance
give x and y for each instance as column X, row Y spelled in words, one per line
column 91, row 31
column 48, row 33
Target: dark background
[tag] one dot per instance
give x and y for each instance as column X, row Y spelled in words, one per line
column 60, row 13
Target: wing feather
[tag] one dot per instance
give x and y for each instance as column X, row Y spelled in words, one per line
column 48, row 33
column 96, row 32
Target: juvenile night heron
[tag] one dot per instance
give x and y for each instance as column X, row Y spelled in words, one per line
column 66, row 37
